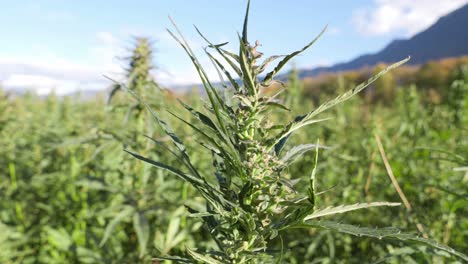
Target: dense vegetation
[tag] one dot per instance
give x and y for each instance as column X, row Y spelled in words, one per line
column 69, row 193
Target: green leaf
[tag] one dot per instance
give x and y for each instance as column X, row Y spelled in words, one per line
column 59, row 238
column 202, row 214
column 173, row 228
column 176, row 259
column 126, row 212
column 200, row 116
column 381, row 233
column 141, row 225
column 311, row 191
column 278, row 105
column 223, row 69
column 245, row 26
column 282, row 137
column 345, row 96
column 346, row 208
column 202, row 258
column 115, row 88
column 224, row 54
column 303, row 120
column 195, row 181
column 267, row 61
column 226, row 154
column 283, row 62
column 247, row 77
column 95, row 184
column 297, row 151
column 210, row 90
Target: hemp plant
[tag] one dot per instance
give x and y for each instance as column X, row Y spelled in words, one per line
column 250, row 199
column 138, row 77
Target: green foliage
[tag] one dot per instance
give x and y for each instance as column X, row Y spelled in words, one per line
column 69, row 194
column 458, row 95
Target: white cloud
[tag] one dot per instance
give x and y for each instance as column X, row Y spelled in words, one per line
column 407, row 16
column 48, row 71
column 44, row 85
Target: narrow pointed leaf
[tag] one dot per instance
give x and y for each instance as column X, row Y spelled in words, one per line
column 352, row 92
column 224, row 54
column 233, row 82
column 382, row 233
column 176, row 259
column 173, row 229
column 115, row 88
column 210, row 90
column 278, row 105
column 249, row 82
column 202, row 117
column 173, row 170
column 202, row 258
column 246, row 21
column 302, row 120
column 267, row 61
column 141, row 225
column 283, row 62
column 288, row 130
column 346, row 208
column 127, row 212
column 297, row 151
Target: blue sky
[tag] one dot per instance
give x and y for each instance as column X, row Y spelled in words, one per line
column 69, row 45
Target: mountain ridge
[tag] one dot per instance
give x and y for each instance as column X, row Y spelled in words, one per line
column 445, row 38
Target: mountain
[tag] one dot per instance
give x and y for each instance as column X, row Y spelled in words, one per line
column 448, row 37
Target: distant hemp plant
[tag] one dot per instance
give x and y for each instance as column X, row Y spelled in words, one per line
column 250, row 200
column 138, row 74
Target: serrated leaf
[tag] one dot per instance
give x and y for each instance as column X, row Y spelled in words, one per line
column 219, row 65
column 297, row 151
column 346, row 208
column 203, row 258
column 381, row 233
column 311, row 191
column 345, row 96
column 267, row 61
column 202, row 214
column 195, row 181
column 210, row 90
column 224, row 54
column 284, row 61
column 300, row 121
column 278, row 105
column 282, row 137
column 247, row 77
column 200, row 116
